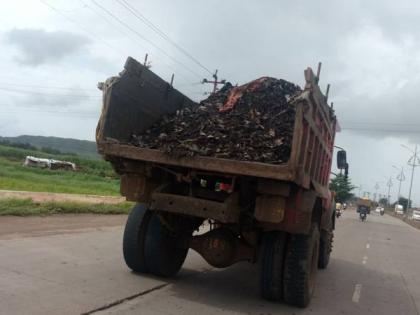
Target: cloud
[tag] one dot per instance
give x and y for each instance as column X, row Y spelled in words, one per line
column 38, row 47
column 377, row 90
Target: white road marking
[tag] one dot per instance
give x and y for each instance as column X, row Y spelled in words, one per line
column 357, row 292
column 364, row 261
column 367, row 245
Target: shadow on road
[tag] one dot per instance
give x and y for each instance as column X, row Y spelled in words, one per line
column 235, row 290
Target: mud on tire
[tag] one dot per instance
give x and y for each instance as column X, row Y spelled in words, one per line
column 271, row 265
column 300, row 267
column 325, row 248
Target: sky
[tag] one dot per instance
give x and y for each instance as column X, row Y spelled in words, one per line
column 54, row 52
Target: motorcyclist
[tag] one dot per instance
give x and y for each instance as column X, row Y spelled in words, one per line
column 363, row 211
column 338, row 209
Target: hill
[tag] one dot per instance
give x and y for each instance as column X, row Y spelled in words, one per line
column 65, row 145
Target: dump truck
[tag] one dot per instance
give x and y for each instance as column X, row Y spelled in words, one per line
column 279, row 216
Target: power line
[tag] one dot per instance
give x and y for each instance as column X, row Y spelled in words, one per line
column 156, row 29
column 144, row 38
column 112, row 24
column 130, row 37
column 55, row 113
column 378, row 123
column 382, row 130
column 47, row 87
column 93, row 36
column 48, row 94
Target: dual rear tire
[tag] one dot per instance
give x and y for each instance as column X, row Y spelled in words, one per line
column 288, row 263
column 288, row 266
column 149, row 246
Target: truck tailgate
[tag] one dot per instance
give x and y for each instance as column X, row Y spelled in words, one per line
column 279, row 172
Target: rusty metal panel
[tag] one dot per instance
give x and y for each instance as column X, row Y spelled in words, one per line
column 133, row 101
column 270, row 208
column 256, row 169
column 136, row 187
column 225, row 212
column 307, row 201
column 273, row 187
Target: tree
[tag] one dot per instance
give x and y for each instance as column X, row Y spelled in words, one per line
column 404, row 202
column 342, row 187
column 383, row 201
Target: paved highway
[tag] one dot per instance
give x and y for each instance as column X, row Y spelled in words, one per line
column 375, row 269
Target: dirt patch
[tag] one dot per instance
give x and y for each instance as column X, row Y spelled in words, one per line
column 46, row 196
column 16, row 227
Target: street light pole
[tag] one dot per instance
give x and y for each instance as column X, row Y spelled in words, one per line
column 376, row 191
column 400, row 178
column 389, row 184
column 413, row 162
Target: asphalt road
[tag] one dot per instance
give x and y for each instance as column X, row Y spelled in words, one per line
column 375, row 269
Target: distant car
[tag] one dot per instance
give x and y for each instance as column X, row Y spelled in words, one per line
column 378, row 209
column 399, row 209
column 416, row 215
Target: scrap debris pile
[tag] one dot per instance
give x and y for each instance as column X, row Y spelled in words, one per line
column 252, row 122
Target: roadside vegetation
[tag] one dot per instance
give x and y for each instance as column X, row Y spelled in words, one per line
column 94, row 176
column 27, row 207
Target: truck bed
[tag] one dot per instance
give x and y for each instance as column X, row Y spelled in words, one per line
column 138, row 98
column 255, row 169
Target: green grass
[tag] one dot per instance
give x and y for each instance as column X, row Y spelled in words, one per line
column 26, row 207
column 94, row 177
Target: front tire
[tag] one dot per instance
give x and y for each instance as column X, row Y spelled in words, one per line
column 300, row 267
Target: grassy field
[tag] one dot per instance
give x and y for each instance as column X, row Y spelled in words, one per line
column 94, row 177
column 26, row 207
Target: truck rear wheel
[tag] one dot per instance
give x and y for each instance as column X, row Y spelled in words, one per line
column 134, row 238
column 325, row 248
column 149, row 246
column 271, row 265
column 300, row 267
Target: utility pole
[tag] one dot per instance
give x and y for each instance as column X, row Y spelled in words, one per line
column 215, row 81
column 146, row 62
column 413, row 162
column 389, row 184
column 376, row 191
column 400, row 178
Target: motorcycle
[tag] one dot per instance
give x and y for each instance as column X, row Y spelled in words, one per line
column 337, row 213
column 382, row 212
column 362, row 217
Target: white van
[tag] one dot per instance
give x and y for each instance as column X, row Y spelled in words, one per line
column 399, row 209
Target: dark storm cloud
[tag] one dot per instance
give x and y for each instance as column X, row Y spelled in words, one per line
column 37, row 46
